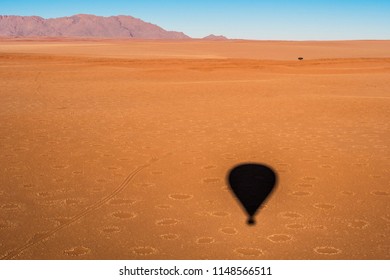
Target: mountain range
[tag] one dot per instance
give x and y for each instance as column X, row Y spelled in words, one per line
column 86, row 26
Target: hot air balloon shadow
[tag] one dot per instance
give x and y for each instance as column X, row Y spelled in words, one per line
column 252, row 184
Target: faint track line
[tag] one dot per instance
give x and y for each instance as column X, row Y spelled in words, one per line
column 13, row 253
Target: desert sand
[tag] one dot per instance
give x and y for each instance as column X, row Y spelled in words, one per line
column 120, row 149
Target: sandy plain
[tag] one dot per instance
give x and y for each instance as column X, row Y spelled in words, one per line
column 120, row 149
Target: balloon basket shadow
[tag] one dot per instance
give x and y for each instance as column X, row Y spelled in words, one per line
column 251, row 221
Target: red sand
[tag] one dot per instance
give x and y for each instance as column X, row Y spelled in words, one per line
column 120, row 149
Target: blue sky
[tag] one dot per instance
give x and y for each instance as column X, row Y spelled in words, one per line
column 246, row 19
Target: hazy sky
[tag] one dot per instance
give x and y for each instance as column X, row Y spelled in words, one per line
column 247, row 19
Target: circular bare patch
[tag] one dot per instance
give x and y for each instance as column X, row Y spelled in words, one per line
column 327, row 250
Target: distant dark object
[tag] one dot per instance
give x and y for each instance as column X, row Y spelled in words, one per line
column 300, row 58
column 251, row 184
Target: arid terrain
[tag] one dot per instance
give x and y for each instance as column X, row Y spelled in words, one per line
column 120, row 149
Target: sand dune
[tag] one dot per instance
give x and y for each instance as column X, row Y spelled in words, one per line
column 120, row 149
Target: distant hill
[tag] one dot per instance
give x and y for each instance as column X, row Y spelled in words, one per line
column 89, row 26
column 214, row 37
